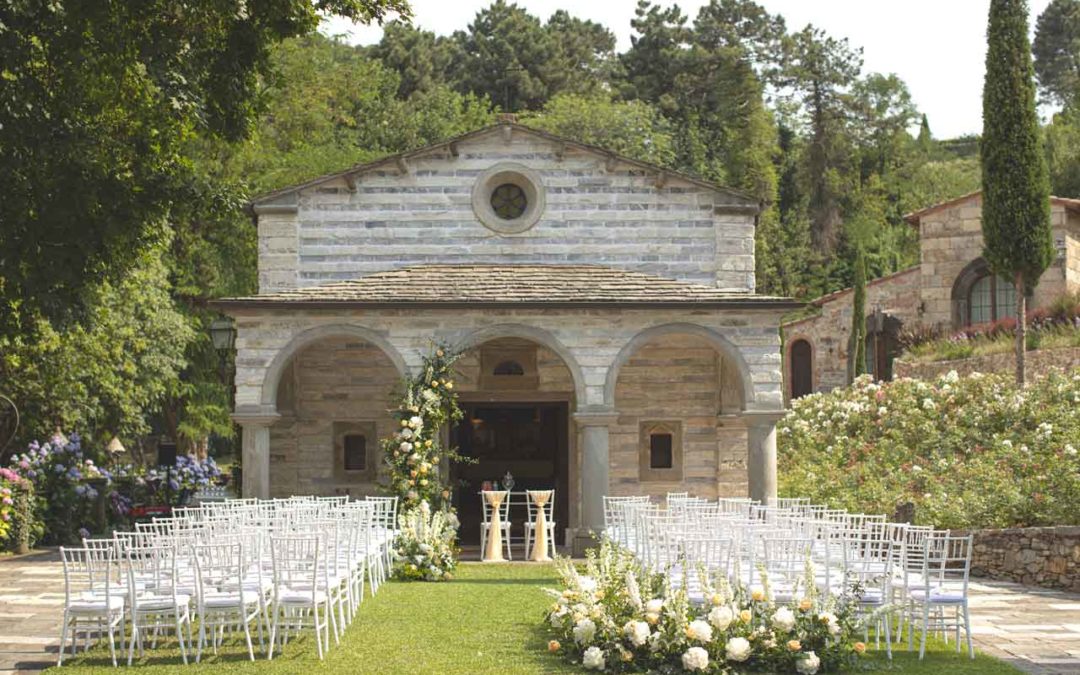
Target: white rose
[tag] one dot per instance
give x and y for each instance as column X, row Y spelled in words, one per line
column 654, row 606
column 405, row 447
column 830, row 619
column 637, row 632
column 738, row 649
column 593, row 658
column 587, row 584
column 584, row 631
column 783, row 620
column 699, row 630
column 695, row 658
column 416, row 422
column 808, row 664
column 721, row 617
column 406, row 434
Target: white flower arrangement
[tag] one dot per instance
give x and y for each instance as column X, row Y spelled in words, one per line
column 598, row 616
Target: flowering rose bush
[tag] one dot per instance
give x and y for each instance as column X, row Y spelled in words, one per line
column 964, row 452
column 617, row 618
column 426, row 550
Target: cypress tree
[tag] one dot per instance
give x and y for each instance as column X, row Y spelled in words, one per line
column 1017, row 243
column 926, row 140
column 858, row 314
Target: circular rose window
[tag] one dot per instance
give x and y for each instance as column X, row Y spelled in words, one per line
column 508, row 198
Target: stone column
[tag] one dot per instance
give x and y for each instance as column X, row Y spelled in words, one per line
column 255, row 444
column 594, row 468
column 761, row 452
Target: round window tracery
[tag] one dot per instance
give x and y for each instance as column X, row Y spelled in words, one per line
column 508, row 198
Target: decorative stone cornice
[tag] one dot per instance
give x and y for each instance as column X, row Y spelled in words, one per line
column 761, row 418
column 255, row 415
column 596, row 417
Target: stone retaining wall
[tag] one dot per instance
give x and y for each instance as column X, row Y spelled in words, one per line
column 1036, row 556
column 1039, row 361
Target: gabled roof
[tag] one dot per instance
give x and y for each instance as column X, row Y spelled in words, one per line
column 914, row 218
column 829, row 297
column 737, row 198
column 456, row 286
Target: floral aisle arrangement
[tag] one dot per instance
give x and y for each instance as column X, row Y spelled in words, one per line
column 962, row 452
column 176, row 484
column 425, row 548
column 617, row 618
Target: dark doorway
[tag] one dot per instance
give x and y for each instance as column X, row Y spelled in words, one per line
column 802, row 369
column 527, row 439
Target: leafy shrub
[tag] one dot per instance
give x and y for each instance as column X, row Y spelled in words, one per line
column 966, row 452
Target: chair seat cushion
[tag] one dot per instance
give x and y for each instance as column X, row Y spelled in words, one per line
column 151, row 602
column 940, row 596
column 230, row 599
column 96, row 604
column 299, row 596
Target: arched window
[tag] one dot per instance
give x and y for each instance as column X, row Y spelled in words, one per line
column 979, row 296
column 802, row 369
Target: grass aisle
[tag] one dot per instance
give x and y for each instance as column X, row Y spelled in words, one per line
column 488, row 620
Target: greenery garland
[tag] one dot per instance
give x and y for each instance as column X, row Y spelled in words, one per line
column 414, row 452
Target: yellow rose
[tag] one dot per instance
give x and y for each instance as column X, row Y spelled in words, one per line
column 427, row 443
column 554, row 646
column 404, row 423
column 805, row 604
column 449, row 385
column 717, row 599
column 860, row 648
column 434, row 384
column 439, row 353
column 652, row 618
column 794, row 645
column 745, row 616
column 757, row 596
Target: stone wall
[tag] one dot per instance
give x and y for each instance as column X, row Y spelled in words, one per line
column 1038, row 361
column 950, row 238
column 1036, row 556
column 829, row 332
column 597, row 211
column 678, row 379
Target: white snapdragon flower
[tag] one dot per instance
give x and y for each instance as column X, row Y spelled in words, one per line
column 584, row 631
column 721, row 617
column 695, row 658
column 654, row 606
column 593, row 658
column 784, row 620
column 587, row 584
column 637, row 632
column 738, row 649
column 699, row 630
column 808, row 664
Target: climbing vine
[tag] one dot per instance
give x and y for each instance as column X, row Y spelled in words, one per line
column 414, row 453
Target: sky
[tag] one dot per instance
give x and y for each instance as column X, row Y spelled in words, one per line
column 936, row 46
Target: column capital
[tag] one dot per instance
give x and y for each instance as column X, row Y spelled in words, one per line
column 762, row 418
column 255, row 415
column 595, row 417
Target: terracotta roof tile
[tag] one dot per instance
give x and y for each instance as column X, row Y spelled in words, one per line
column 507, row 284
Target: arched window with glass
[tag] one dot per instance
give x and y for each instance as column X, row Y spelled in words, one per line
column 979, row 296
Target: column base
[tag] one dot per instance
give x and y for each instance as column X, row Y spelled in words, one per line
column 582, row 541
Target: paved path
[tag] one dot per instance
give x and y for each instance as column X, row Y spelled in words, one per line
column 1035, row 629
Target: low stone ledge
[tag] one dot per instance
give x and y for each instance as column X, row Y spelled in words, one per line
column 1039, row 361
column 1035, row 556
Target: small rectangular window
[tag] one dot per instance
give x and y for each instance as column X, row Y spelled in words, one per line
column 355, row 452
column 660, row 451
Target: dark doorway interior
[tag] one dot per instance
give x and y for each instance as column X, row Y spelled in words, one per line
column 527, row 439
column 802, row 369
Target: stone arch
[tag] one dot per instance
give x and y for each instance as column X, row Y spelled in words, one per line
column 312, row 335
column 718, row 342
column 533, row 334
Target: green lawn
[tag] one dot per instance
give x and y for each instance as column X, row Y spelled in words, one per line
column 488, row 620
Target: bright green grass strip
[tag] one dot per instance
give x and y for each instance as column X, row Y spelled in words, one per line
column 488, row 620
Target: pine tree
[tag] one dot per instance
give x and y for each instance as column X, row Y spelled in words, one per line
column 1016, row 186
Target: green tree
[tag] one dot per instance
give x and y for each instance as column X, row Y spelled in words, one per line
column 1057, row 51
column 1016, row 188
column 631, row 128
column 858, row 315
column 97, row 102
column 422, row 60
column 925, row 139
column 1063, row 153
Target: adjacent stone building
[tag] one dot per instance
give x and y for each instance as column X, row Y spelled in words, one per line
column 950, row 288
column 613, row 342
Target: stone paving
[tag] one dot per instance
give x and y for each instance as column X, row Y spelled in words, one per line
column 1035, row 629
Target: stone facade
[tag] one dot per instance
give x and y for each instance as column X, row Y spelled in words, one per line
column 420, row 211
column 934, row 293
column 829, row 332
column 1034, row 556
column 633, row 284
column 1038, row 361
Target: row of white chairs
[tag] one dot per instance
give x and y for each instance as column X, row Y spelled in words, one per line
column 277, row 566
column 914, row 574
